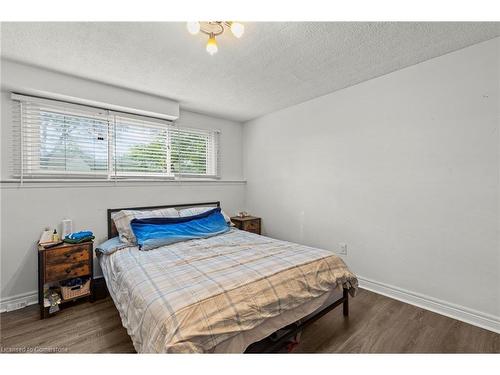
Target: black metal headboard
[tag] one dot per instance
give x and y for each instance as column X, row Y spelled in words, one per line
column 111, row 225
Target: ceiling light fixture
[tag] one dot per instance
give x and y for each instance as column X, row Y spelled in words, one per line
column 212, row 45
column 213, row 29
column 193, row 27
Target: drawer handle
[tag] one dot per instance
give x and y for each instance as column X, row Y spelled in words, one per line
column 68, row 270
column 73, row 251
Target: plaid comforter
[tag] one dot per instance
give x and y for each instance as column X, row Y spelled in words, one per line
column 193, row 295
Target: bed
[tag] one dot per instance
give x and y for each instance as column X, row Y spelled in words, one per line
column 222, row 294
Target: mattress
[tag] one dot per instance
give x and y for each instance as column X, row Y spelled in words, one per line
column 219, row 294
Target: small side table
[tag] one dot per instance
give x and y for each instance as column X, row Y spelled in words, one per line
column 247, row 223
column 63, row 262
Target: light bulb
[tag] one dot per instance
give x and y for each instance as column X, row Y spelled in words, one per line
column 193, row 27
column 237, row 29
column 212, row 45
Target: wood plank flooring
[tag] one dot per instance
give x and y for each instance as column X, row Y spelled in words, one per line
column 376, row 324
column 83, row 328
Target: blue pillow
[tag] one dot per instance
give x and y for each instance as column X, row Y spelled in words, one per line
column 110, row 246
column 158, row 231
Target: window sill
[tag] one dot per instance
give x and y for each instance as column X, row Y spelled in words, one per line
column 70, row 183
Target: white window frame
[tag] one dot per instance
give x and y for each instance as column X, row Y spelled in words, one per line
column 23, row 171
column 212, row 165
column 151, row 123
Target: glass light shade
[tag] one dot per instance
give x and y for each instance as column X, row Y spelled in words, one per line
column 212, row 45
column 237, row 29
column 193, row 27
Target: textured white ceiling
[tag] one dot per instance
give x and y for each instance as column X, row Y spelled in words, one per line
column 273, row 66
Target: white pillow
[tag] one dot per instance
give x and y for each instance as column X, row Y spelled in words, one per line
column 123, row 218
column 199, row 210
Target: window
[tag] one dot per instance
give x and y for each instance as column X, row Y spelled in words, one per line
column 193, row 152
column 141, row 148
column 65, row 140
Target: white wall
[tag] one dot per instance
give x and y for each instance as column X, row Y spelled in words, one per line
column 28, row 79
column 403, row 168
column 26, row 211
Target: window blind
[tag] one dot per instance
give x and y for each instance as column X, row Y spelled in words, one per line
column 194, row 152
column 63, row 140
column 141, row 148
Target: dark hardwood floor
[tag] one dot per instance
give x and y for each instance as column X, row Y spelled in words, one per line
column 83, row 328
column 376, row 324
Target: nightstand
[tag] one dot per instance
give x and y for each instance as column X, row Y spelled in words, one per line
column 60, row 263
column 247, row 223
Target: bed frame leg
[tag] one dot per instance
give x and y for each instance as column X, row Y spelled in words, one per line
column 345, row 304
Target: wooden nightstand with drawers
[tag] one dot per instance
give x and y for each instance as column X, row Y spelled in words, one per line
column 247, row 223
column 60, row 263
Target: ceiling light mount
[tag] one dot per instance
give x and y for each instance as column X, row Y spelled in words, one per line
column 214, row 29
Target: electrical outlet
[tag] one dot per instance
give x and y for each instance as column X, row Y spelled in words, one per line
column 15, row 306
column 343, row 248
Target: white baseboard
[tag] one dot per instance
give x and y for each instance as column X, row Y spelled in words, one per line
column 464, row 314
column 19, row 301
